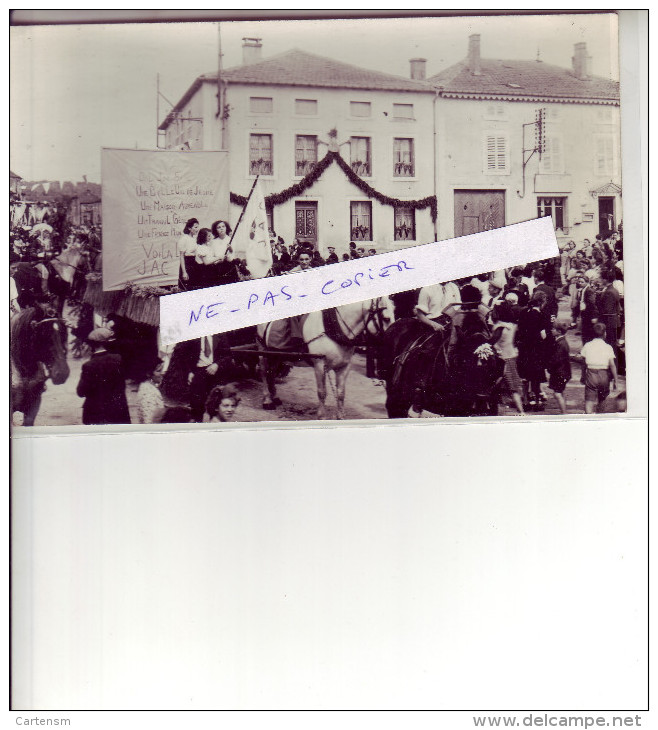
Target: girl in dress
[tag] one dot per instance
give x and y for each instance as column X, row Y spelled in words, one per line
column 187, row 252
column 203, row 252
column 222, row 403
column 150, row 404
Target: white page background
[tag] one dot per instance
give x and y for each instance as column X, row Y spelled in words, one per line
column 422, row 566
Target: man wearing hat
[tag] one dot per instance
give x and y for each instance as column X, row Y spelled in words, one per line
column 332, row 258
column 102, row 383
column 494, row 294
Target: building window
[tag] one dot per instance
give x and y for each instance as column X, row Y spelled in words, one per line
column 403, row 111
column 360, row 156
column 270, row 219
column 496, row 111
column 403, row 157
column 360, row 109
column 555, row 207
column 260, row 154
column 306, row 153
column 361, row 221
column 404, row 223
column 306, row 106
column 552, row 160
column 261, row 104
column 604, row 154
column 496, row 154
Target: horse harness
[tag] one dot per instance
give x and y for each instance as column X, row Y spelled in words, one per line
column 334, row 323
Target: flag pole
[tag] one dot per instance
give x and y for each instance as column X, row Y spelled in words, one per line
column 242, row 213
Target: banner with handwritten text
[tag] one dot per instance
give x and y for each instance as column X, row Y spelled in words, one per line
column 148, row 196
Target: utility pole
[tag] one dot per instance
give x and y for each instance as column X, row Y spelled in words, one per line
column 220, row 105
column 157, row 111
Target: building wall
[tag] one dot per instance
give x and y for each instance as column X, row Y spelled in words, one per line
column 333, row 192
column 585, row 157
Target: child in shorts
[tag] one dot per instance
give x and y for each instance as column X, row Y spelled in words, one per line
column 601, row 369
column 559, row 363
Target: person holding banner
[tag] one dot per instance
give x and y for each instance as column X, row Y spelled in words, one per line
column 187, row 252
column 220, row 259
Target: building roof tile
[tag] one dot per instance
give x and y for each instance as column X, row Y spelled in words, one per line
column 299, row 68
column 522, row 79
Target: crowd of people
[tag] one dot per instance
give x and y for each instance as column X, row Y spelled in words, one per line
column 528, row 310
column 529, row 334
column 287, row 259
column 32, row 248
column 103, row 386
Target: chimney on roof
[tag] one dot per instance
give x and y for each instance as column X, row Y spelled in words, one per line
column 582, row 63
column 252, row 50
column 418, row 68
column 474, row 54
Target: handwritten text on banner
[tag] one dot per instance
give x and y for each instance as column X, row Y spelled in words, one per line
column 190, row 315
column 148, row 196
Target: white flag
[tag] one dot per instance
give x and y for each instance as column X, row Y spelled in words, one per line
column 253, row 237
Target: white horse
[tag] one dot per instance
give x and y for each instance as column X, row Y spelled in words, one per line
column 332, row 351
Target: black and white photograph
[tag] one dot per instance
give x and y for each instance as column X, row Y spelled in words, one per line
column 141, row 173
column 328, row 380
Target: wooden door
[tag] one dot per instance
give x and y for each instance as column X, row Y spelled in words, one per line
column 478, row 210
column 306, row 221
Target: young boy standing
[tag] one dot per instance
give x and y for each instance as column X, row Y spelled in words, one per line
column 559, row 364
column 601, row 369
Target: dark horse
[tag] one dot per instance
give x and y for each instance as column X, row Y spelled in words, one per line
column 451, row 373
column 38, row 352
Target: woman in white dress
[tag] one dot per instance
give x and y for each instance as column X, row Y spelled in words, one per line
column 219, row 256
column 187, row 251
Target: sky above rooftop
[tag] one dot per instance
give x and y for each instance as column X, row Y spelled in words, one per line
column 77, row 88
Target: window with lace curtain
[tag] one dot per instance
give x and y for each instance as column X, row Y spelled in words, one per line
column 260, row 154
column 403, row 157
column 404, row 223
column 306, row 153
column 361, row 221
column 360, row 156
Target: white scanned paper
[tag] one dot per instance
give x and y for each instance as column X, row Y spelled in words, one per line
column 148, row 196
column 190, row 315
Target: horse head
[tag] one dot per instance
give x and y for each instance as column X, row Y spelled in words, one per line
column 380, row 316
column 49, row 338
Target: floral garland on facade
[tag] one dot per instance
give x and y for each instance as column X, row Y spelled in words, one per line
column 314, row 175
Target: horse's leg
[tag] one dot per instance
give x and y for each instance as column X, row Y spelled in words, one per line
column 270, row 401
column 320, row 368
column 341, row 379
column 32, row 403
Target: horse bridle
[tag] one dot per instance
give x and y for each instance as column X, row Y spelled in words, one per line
column 38, row 324
column 375, row 315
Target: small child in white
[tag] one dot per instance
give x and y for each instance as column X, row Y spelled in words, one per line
column 503, row 337
column 601, row 369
